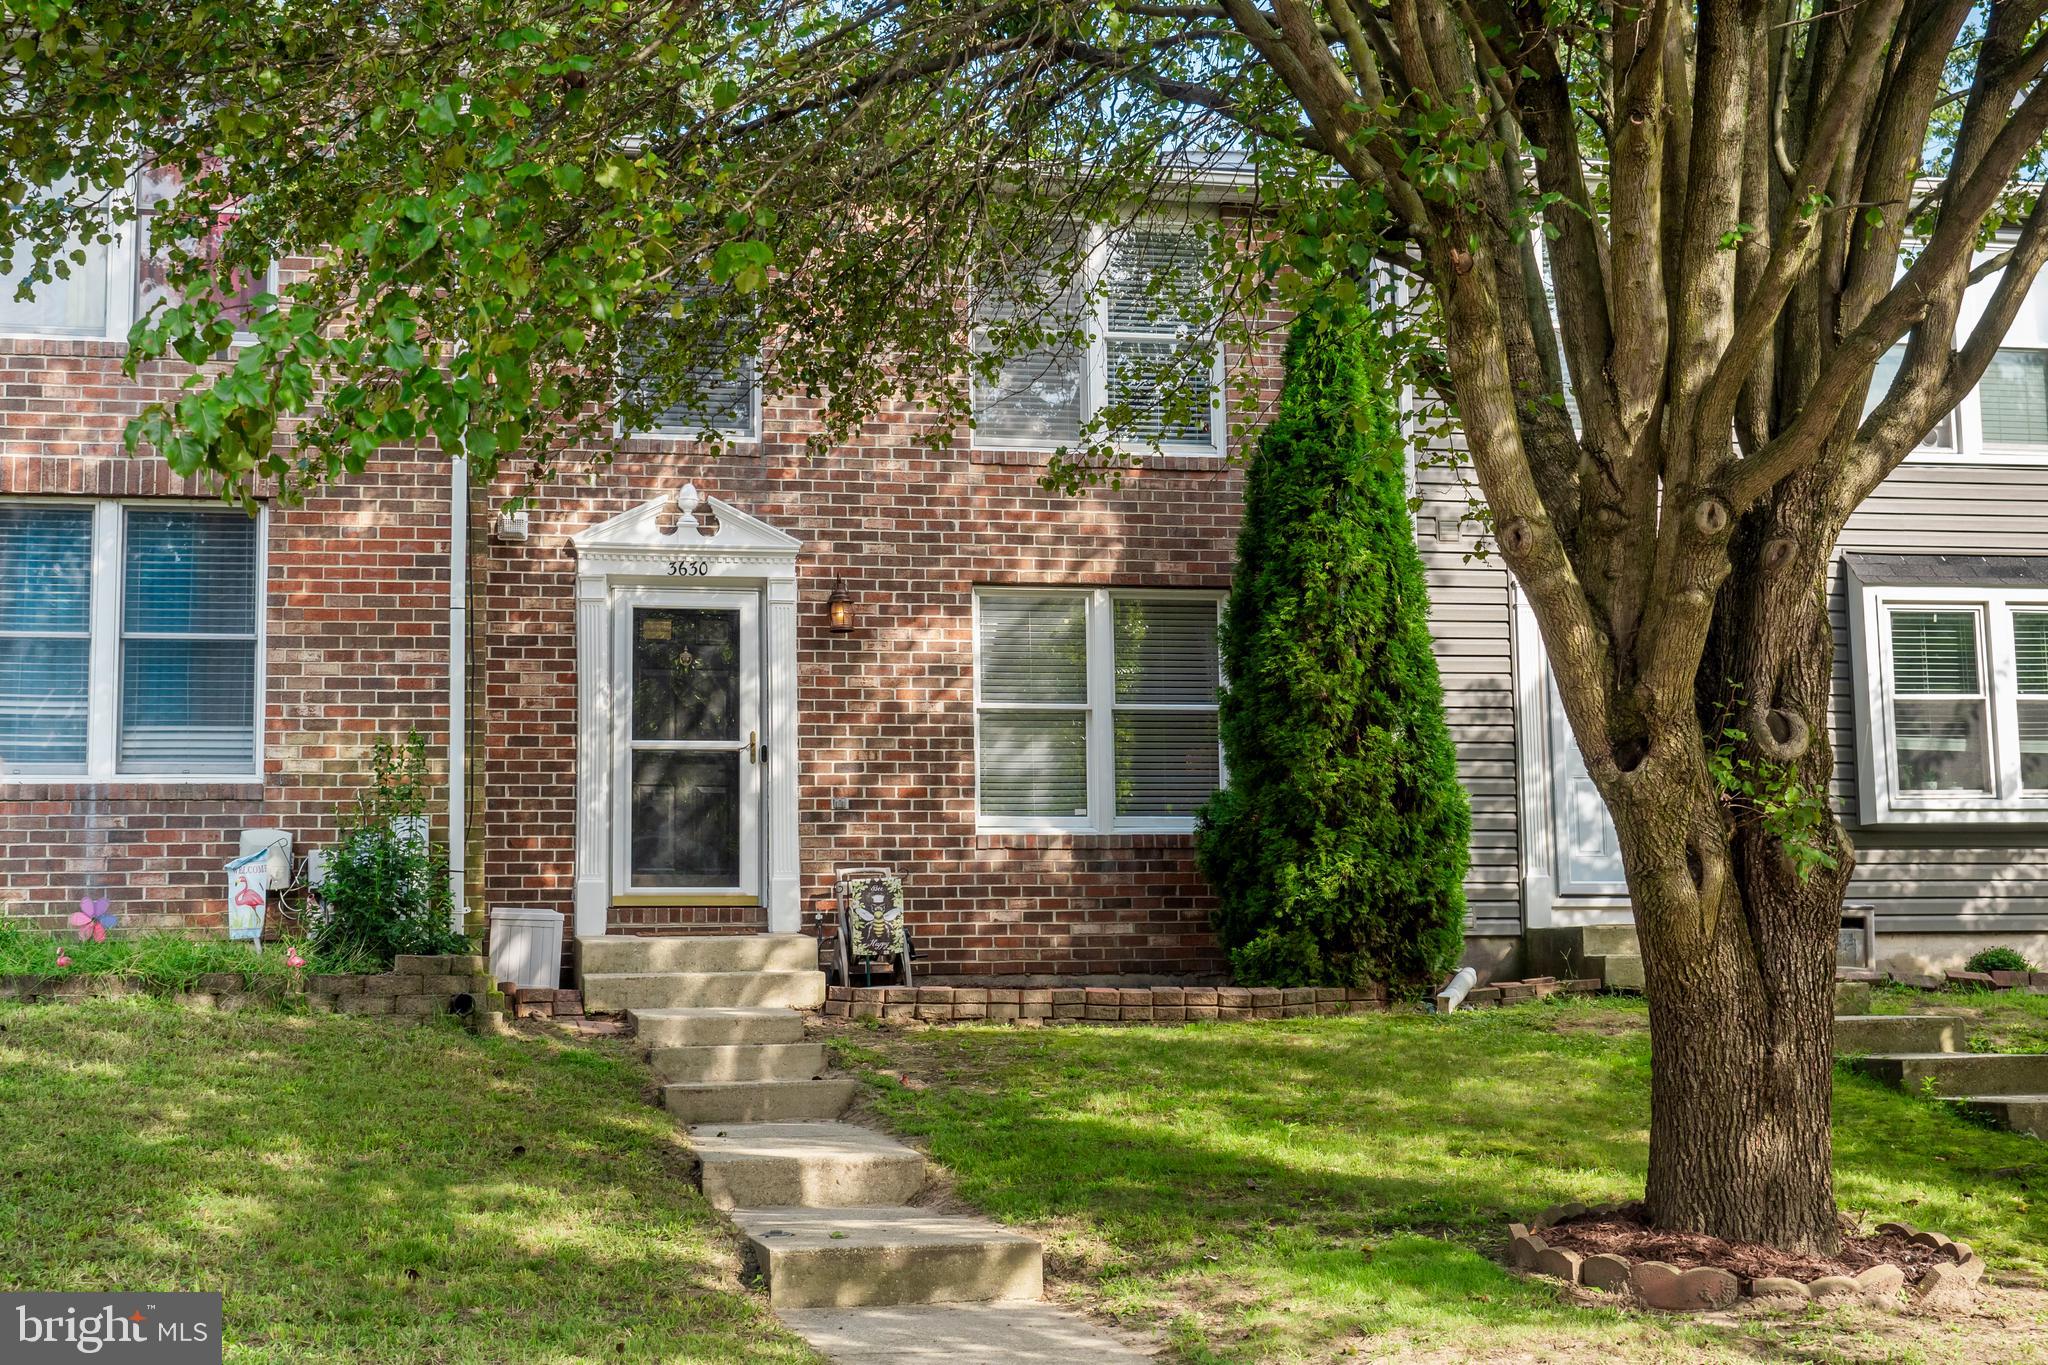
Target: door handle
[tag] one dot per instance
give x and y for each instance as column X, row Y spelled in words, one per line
column 753, row 736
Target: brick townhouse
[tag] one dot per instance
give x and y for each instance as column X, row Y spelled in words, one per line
column 680, row 698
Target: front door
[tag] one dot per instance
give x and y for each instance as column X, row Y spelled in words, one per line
column 687, row 735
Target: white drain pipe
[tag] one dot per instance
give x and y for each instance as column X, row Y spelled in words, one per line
column 458, row 686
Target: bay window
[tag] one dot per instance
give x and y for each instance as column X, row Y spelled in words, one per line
column 1108, row 327
column 130, row 640
column 1095, row 709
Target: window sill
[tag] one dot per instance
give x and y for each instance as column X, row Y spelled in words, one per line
column 130, row 789
column 1172, row 463
column 1086, row 839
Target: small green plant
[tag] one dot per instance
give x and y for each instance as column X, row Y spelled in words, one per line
column 385, row 889
column 1770, row 795
column 1999, row 959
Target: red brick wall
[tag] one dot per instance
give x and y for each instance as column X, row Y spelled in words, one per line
column 356, row 646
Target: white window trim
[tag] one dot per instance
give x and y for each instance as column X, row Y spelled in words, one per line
column 1969, row 446
column 1095, row 364
column 103, row 671
column 1100, row 709
column 732, row 436
column 1882, row 801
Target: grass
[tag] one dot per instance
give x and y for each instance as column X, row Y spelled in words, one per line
column 363, row 1192
column 2000, row 1021
column 161, row 962
column 1317, row 1188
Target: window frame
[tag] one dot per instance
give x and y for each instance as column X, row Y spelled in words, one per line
column 103, row 671
column 1882, row 800
column 727, row 435
column 1095, row 361
column 1099, row 712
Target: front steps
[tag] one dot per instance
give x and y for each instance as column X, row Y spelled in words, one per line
column 1922, row 1054
column 1607, row 952
column 824, row 1206
column 816, row 1165
column 868, row 1257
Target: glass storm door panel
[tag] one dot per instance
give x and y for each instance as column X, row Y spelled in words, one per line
column 689, row 742
column 1588, row 853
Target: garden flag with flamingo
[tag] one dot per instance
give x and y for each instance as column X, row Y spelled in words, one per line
column 248, row 892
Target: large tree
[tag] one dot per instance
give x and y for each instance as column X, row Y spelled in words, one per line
column 1742, row 207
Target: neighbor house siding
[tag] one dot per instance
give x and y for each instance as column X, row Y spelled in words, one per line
column 1963, row 878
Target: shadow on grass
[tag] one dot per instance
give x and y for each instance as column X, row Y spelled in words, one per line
column 1280, row 1186
column 361, row 1191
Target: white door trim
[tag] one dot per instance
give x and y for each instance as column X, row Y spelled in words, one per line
column 633, row 552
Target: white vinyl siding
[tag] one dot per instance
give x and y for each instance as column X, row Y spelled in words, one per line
column 1095, row 709
column 130, row 640
column 1115, row 331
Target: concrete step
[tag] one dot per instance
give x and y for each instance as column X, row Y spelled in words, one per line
column 1960, row 1073
column 739, row 1062
column 758, row 1101
column 1859, row 1033
column 1853, row 997
column 961, row 1334
column 846, row 1258
column 1563, row 952
column 765, row 1024
column 818, row 1165
column 1617, row 971
column 611, row 991
column 698, row 953
column 2021, row 1113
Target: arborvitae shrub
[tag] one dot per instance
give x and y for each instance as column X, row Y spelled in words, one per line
column 1338, row 850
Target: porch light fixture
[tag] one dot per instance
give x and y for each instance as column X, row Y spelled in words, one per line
column 839, row 608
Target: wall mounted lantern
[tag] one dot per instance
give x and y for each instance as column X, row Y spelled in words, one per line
column 839, row 608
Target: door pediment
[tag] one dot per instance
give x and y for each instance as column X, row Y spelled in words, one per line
column 635, row 541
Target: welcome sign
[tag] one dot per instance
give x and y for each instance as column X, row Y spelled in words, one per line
column 121, row 1329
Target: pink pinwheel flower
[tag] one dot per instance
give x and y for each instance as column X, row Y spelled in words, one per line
column 92, row 919
column 63, row 958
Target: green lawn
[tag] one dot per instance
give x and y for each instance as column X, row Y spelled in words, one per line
column 1319, row 1188
column 363, row 1192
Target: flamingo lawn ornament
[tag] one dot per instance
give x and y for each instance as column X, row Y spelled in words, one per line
column 92, row 919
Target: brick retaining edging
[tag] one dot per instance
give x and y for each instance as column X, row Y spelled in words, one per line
column 1095, row 1004
column 417, row 988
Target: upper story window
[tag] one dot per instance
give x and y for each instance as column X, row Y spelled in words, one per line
column 1882, row 376
column 722, row 398
column 1095, row 709
column 1121, row 331
column 130, row 640
column 1953, row 687
column 118, row 281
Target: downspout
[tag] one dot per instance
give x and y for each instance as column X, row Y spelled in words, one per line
column 458, row 687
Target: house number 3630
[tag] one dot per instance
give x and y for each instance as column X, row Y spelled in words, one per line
column 688, row 568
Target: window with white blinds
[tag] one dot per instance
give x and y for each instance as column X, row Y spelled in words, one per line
column 2012, row 399
column 2030, row 657
column 45, row 636
column 1883, row 376
column 1114, row 328
column 719, row 393
column 1096, row 709
column 129, row 640
column 1940, row 713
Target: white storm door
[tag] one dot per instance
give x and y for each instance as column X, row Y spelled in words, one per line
column 1588, row 854
column 687, row 743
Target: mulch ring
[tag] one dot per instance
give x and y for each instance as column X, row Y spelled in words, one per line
column 1613, row 1248
column 1626, row 1233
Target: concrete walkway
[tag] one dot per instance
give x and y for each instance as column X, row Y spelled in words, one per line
column 824, row 1207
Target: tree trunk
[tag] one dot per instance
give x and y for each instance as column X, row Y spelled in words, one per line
column 1738, row 936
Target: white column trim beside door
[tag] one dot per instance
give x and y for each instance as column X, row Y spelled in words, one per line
column 1537, row 823
column 593, row 754
column 785, row 871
